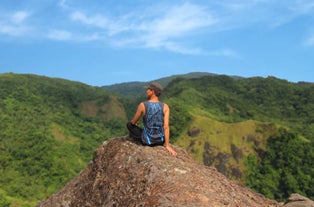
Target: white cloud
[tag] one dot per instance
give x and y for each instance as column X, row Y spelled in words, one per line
column 96, row 20
column 63, row 35
column 158, row 28
column 177, row 23
column 59, row 35
column 11, row 30
column 272, row 14
column 13, row 23
column 174, row 27
column 225, row 53
column 302, row 7
column 19, row 17
column 181, row 20
column 62, row 4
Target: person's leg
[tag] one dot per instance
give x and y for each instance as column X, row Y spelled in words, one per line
column 135, row 132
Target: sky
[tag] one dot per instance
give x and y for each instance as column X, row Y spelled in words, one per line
column 104, row 42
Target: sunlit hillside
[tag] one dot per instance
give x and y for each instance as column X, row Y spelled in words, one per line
column 259, row 131
column 49, row 129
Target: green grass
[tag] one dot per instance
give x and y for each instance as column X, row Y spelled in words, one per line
column 221, row 136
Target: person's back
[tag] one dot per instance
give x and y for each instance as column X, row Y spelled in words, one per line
column 155, row 114
column 153, row 120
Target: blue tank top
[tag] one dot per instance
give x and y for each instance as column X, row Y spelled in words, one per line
column 153, row 133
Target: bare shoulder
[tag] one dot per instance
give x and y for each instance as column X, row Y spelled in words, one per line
column 166, row 107
column 141, row 108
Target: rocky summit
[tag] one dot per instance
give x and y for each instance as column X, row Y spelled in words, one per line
column 124, row 173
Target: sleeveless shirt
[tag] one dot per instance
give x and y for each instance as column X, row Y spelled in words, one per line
column 153, row 132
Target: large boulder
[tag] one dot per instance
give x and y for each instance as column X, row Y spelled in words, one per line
column 296, row 200
column 123, row 173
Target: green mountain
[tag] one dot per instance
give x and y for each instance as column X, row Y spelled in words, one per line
column 132, row 89
column 49, row 129
column 263, row 99
column 232, row 124
column 259, row 131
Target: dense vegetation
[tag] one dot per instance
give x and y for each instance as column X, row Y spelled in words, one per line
column 286, row 167
column 263, row 99
column 50, row 127
column 132, row 90
column 45, row 137
column 282, row 160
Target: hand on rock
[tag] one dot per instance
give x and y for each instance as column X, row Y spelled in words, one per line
column 171, row 150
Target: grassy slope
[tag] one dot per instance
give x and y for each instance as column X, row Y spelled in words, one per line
column 225, row 145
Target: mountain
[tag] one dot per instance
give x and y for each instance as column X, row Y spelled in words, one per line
column 249, row 129
column 257, row 131
column 131, row 89
column 231, row 122
column 123, row 173
column 226, row 99
column 49, row 129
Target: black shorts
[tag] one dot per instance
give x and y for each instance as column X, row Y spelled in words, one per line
column 135, row 132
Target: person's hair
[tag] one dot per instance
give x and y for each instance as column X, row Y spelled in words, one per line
column 157, row 93
column 156, row 87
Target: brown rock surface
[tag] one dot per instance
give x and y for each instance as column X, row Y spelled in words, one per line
column 296, row 200
column 124, row 173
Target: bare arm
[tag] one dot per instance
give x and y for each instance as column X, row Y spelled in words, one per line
column 167, row 130
column 139, row 112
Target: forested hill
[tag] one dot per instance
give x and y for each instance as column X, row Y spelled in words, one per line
column 131, row 89
column 260, row 127
column 49, row 129
column 233, row 98
column 263, row 99
column 256, row 130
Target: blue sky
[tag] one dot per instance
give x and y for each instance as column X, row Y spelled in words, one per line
column 105, row 42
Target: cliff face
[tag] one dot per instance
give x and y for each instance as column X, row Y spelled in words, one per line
column 123, row 173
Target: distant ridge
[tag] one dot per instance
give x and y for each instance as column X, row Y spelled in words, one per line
column 131, row 89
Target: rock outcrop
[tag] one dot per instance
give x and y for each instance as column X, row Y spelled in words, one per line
column 123, row 173
column 296, row 200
